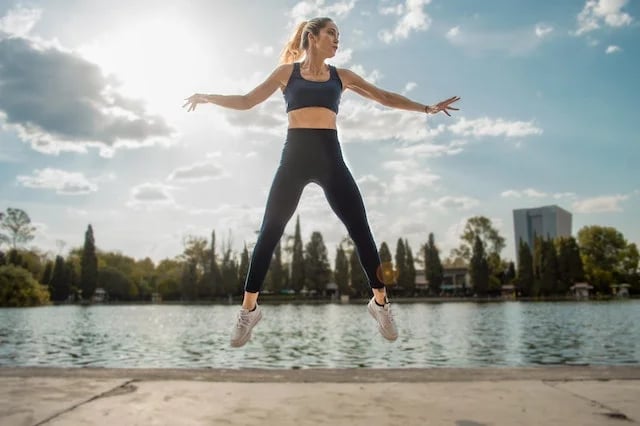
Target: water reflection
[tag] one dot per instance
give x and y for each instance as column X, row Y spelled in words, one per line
column 324, row 336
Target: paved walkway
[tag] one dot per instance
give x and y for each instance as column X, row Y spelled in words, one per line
column 461, row 397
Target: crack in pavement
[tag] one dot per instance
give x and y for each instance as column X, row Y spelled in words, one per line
column 126, row 387
column 612, row 413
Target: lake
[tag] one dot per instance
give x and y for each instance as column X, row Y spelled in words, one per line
column 324, row 336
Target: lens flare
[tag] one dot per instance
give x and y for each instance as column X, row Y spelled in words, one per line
column 387, row 274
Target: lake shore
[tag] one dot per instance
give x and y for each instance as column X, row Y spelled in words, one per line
column 581, row 395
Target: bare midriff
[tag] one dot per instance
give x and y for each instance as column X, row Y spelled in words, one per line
column 312, row 118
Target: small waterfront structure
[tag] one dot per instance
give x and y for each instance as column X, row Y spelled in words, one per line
column 508, row 291
column 620, row 290
column 581, row 290
column 99, row 296
column 156, row 297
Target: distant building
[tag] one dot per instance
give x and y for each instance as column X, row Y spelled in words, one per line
column 545, row 222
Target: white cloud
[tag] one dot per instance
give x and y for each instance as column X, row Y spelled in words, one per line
column 342, row 57
column 612, row 49
column 198, row 172
column 427, row 149
column 19, row 21
column 494, row 127
column 534, row 193
column 409, row 175
column 367, row 121
column 409, row 86
column 603, row 204
column 598, row 12
column 543, row 30
column 63, row 182
column 412, row 18
column 529, row 192
column 150, row 194
column 453, row 33
column 457, row 203
column 311, row 8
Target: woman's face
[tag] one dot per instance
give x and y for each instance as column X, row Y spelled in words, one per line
column 327, row 41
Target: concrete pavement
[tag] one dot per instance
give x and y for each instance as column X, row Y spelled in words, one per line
column 440, row 396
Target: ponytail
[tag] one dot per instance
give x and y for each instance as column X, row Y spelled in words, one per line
column 293, row 49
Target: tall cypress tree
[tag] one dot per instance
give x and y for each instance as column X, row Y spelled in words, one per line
column 317, row 267
column 297, row 260
column 401, row 265
column 276, row 271
column 215, row 276
column 47, row 274
column 88, row 265
column 243, row 270
column 525, row 276
column 341, row 271
column 410, row 268
column 385, row 253
column 433, row 270
column 359, row 282
column 58, row 286
column 479, row 268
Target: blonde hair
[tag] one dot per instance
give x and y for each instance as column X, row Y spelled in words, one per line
column 299, row 42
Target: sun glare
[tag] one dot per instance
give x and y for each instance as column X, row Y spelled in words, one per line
column 158, row 60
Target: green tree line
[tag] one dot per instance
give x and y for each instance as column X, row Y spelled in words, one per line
column 208, row 269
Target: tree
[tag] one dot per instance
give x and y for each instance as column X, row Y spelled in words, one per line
column 169, row 272
column 317, row 267
column 481, row 227
column 341, row 271
column 88, row 265
column 385, row 253
column 214, row 275
column 243, row 270
column 510, row 275
column 401, row 266
column 603, row 251
column 525, row 277
column 47, row 274
column 18, row 225
column 570, row 270
column 195, row 259
column 18, row 288
column 433, row 270
column 410, row 268
column 548, row 269
column 479, row 268
column 297, row 260
column 276, row 270
column 117, row 285
column 229, row 271
column 359, row 282
column 59, row 287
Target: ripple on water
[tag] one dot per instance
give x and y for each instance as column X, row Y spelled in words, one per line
column 323, row 336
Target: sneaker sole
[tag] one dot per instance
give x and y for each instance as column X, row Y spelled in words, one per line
column 391, row 338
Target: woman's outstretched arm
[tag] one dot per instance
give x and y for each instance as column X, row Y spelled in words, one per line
column 354, row 82
column 260, row 93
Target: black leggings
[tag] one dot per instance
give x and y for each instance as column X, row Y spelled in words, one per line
column 312, row 155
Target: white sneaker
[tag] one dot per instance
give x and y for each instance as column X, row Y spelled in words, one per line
column 384, row 318
column 246, row 321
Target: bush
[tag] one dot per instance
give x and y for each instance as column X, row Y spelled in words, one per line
column 18, row 288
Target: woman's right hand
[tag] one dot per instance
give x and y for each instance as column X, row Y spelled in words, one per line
column 194, row 100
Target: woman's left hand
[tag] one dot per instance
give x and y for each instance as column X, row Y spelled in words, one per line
column 443, row 106
column 194, row 100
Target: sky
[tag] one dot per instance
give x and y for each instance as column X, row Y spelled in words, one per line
column 92, row 129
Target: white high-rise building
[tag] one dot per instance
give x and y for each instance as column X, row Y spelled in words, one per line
column 545, row 222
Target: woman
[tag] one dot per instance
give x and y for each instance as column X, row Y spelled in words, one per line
column 312, row 91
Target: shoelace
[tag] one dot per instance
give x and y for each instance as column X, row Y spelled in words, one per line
column 243, row 320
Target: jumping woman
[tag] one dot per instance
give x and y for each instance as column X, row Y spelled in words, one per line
column 311, row 153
